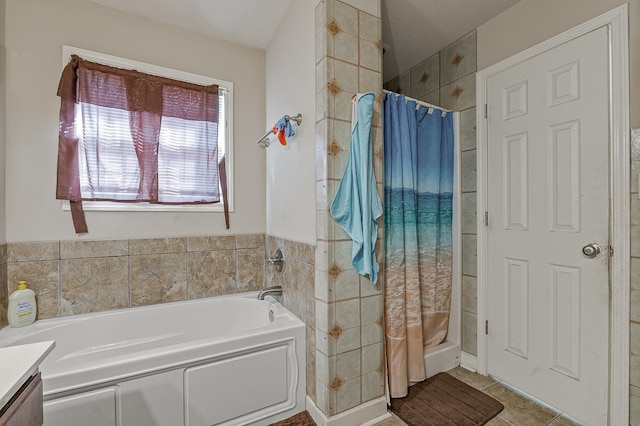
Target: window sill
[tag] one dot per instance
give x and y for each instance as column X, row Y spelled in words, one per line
column 106, row 206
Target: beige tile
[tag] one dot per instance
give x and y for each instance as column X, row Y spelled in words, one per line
column 226, row 242
column 346, row 17
column 211, row 273
column 470, row 222
column 469, row 293
column 391, row 421
column 42, row 278
column 342, row 107
column 250, row 241
column 469, row 181
column 372, row 385
column 346, row 285
column 634, row 373
column 635, row 241
column 469, row 244
column 404, row 83
column 372, row 358
column 251, row 264
column 468, row 161
column 157, row 246
column 634, row 406
column 371, row 58
column 460, row 94
column 348, row 313
column 564, row 421
column 458, row 59
column 498, row 421
column 300, row 251
column 348, row 340
column 392, row 85
column 518, row 409
column 469, row 203
column 370, row 334
column 158, row 278
column 469, row 332
column 3, row 253
column 468, row 129
column 470, row 264
column 432, row 97
column 372, row 308
column 475, row 380
column 635, row 305
column 346, row 75
column 369, row 27
column 348, row 396
column 370, row 81
column 346, row 48
column 635, row 274
column 87, row 249
column 348, row 365
column 425, row 77
column 94, row 284
column 24, row 252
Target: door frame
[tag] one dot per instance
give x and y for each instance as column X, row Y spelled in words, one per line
column 619, row 189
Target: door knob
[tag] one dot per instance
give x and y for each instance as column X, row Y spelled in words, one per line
column 591, row 250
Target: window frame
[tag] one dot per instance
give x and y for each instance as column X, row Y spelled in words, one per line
column 225, row 90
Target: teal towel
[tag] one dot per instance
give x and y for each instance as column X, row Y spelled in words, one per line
column 357, row 205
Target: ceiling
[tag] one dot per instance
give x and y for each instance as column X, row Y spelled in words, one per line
column 412, row 30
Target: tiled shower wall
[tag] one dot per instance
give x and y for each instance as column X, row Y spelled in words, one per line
column 348, row 350
column 634, row 376
column 77, row 277
column 448, row 79
column 297, row 281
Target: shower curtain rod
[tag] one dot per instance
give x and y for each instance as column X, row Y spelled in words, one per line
column 424, row 104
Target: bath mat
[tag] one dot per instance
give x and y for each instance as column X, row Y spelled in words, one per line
column 303, row 418
column 444, row 400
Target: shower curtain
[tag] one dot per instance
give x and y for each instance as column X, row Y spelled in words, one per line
column 418, row 186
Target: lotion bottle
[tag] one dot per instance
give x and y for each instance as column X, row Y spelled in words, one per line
column 22, row 306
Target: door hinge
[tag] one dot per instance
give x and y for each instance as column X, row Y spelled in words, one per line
column 610, row 251
column 486, row 218
column 485, row 111
column 486, row 327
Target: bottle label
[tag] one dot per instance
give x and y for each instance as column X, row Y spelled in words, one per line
column 24, row 312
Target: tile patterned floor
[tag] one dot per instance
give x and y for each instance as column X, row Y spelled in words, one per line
column 518, row 409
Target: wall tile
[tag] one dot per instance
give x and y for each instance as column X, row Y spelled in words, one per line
column 370, row 58
column 250, row 241
column 468, row 161
column 348, row 396
column 372, row 358
column 251, row 265
column 157, row 246
column 468, row 129
column 425, row 77
column 469, row 264
column 346, row 48
column 311, row 362
column 93, row 284
column 392, row 85
column 4, row 294
column 460, row 94
column 634, row 418
column 404, row 83
column 371, row 333
column 41, row 277
column 372, row 385
column 211, row 273
column 158, row 278
column 469, row 293
column 346, row 17
column 225, row 242
column 458, row 59
column 369, row 27
column 86, row 249
column 24, row 252
column 635, row 273
column 432, row 97
column 369, row 81
column 348, row 365
column 346, row 285
column 372, row 308
column 469, row 332
column 347, row 313
column 469, row 244
column 349, row 340
column 469, row 181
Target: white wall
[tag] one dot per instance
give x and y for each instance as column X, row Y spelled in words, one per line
column 291, row 177
column 530, row 22
column 35, row 33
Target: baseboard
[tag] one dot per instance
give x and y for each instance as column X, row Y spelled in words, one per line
column 369, row 413
column 469, row 361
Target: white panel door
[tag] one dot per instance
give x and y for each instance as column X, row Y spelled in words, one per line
column 548, row 197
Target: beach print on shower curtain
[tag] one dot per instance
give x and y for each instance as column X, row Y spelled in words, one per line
column 418, row 157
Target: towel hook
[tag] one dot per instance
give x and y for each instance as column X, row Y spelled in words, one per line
column 265, row 139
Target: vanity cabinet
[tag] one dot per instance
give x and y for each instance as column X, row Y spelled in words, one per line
column 25, row 407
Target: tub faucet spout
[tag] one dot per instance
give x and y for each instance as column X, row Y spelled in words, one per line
column 275, row 290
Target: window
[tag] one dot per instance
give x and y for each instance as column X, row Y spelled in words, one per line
column 112, row 172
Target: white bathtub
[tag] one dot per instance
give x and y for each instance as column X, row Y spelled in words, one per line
column 224, row 360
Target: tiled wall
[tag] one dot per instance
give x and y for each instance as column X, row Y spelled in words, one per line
column 297, row 280
column 448, row 79
column 76, row 277
column 349, row 350
column 634, row 378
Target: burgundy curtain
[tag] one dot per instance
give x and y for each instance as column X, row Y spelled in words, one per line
column 148, row 100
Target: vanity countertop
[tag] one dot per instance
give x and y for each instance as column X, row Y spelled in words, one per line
column 17, row 364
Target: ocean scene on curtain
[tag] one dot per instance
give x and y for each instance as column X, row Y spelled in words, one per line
column 418, row 187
